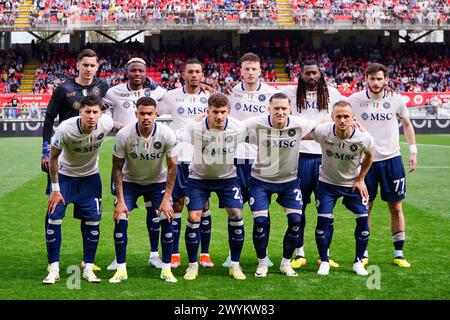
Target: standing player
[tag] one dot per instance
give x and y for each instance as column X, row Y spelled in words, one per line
column 65, row 102
column 278, row 137
column 249, row 99
column 347, row 154
column 121, row 103
column 212, row 169
column 311, row 99
column 379, row 113
column 75, row 179
column 185, row 104
column 138, row 166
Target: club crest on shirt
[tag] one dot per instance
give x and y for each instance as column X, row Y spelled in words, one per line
column 203, row 100
column 386, row 105
column 354, row 147
column 262, row 98
column 157, row 145
column 100, row 136
column 96, row 91
column 291, row 132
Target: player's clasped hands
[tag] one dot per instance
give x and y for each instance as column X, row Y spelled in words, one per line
column 55, row 198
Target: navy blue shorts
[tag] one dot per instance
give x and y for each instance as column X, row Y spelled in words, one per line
column 243, row 171
column 390, row 175
column 308, row 174
column 289, row 194
column 86, row 195
column 152, row 193
column 227, row 190
column 179, row 189
column 328, row 194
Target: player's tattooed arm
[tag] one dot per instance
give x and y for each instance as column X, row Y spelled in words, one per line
column 56, row 196
column 121, row 207
column 365, row 166
column 166, row 206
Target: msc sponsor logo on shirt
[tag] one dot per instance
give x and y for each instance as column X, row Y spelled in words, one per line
column 377, row 116
column 88, row 149
column 340, row 156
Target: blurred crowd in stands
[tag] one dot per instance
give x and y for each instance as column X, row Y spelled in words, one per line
column 305, row 12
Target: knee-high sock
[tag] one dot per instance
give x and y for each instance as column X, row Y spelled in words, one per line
column 260, row 236
column 398, row 239
column 324, row 234
column 92, row 235
column 236, row 236
column 268, row 230
column 176, row 223
column 301, row 235
column 290, row 240
column 192, row 238
column 152, row 227
column 362, row 234
column 166, row 238
column 121, row 239
column 53, row 238
column 205, row 231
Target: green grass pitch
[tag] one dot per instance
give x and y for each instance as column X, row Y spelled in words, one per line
column 427, row 210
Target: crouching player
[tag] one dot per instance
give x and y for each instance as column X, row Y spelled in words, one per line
column 138, row 170
column 347, row 154
column 75, row 179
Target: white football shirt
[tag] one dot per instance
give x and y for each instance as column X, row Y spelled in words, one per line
column 277, row 157
column 183, row 108
column 248, row 104
column 121, row 101
column 380, row 117
column 214, row 150
column 311, row 112
column 144, row 158
column 79, row 157
column 341, row 158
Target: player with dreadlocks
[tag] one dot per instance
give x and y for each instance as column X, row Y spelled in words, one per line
column 311, row 99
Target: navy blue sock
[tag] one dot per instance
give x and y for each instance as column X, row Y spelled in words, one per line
column 399, row 240
column 176, row 223
column 192, row 238
column 260, row 236
column 45, row 228
column 121, row 240
column 83, row 230
column 362, row 234
column 236, row 238
column 205, row 232
column 166, row 240
column 54, row 238
column 153, row 228
column 92, row 235
column 323, row 235
column 290, row 240
column 301, row 234
column 268, row 229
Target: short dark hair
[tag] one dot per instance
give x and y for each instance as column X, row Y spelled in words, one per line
column 87, row 53
column 341, row 103
column 145, row 101
column 250, row 56
column 192, row 61
column 374, row 67
column 279, row 95
column 218, row 100
column 311, row 62
column 90, row 101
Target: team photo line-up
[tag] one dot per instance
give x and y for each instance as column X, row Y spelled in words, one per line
column 246, row 144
